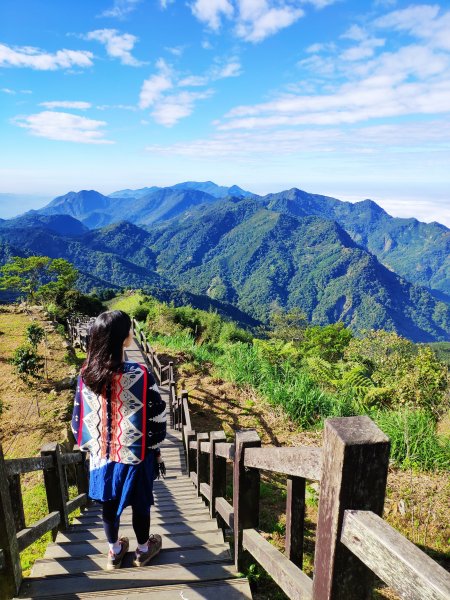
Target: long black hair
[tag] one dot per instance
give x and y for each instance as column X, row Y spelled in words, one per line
column 107, row 335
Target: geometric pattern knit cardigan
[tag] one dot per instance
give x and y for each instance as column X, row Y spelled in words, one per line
column 121, row 424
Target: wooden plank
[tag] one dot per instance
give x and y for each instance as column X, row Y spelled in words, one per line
column 205, row 491
column 230, row 589
column 303, row 461
column 354, row 474
column 225, row 450
column 86, row 523
column 225, row 510
column 193, row 445
column 120, row 579
column 16, row 466
column 78, row 501
column 205, row 447
column 2, row 560
column 398, row 562
column 189, row 540
column 292, row 580
column 71, row 458
column 193, row 476
column 28, row 536
column 79, row 535
column 95, row 562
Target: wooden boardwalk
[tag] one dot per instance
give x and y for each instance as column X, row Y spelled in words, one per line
column 194, row 564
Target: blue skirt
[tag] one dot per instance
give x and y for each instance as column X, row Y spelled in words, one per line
column 132, row 485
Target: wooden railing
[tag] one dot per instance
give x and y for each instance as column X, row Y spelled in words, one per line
column 15, row 534
column 352, row 541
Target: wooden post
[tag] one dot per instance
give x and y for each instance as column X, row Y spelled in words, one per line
column 245, row 493
column 11, row 576
column 217, row 470
column 355, row 466
column 172, row 398
column 15, row 493
column 184, row 396
column 202, row 462
column 54, row 480
column 295, row 519
column 191, row 459
column 81, row 472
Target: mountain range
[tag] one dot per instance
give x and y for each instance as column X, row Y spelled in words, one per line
column 335, row 260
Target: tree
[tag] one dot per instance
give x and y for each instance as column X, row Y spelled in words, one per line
column 39, row 277
column 24, row 275
column 288, row 326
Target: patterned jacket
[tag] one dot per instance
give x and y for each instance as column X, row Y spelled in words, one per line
column 126, row 422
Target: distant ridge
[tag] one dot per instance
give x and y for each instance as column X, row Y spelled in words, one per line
column 335, row 260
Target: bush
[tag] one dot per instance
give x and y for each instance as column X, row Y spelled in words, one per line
column 27, row 362
column 34, row 334
column 414, row 441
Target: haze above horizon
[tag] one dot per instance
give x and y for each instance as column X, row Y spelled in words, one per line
column 342, row 98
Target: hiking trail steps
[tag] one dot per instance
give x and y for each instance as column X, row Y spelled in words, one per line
column 195, row 562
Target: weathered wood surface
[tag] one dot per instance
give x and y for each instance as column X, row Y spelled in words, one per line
column 225, row 450
column 292, row 580
column 304, row 461
column 76, row 502
column 217, row 471
column 295, row 519
column 28, row 536
column 55, row 484
column 398, row 562
column 15, row 493
column 17, row 466
column 12, row 574
column 225, row 510
column 245, row 493
column 202, row 462
column 354, row 474
column 231, row 589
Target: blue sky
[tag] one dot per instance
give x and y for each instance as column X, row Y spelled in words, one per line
column 341, row 97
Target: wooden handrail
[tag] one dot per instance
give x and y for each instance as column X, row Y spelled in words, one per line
column 14, row 535
column 351, row 467
column 392, row 557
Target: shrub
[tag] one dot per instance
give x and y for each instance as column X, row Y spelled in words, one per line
column 27, row 362
column 34, row 334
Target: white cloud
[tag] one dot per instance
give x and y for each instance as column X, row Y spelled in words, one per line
column 232, row 69
column 121, row 8
column 63, row 126
column 258, row 19
column 212, row 11
column 177, row 107
column 117, row 45
column 153, row 87
column 193, row 81
column 66, row 104
column 165, row 3
column 8, row 91
column 175, row 50
column 377, row 139
column 424, row 21
column 35, row 58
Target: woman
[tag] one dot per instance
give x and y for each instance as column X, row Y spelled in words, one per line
column 119, row 417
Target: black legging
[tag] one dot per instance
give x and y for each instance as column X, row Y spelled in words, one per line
column 111, row 522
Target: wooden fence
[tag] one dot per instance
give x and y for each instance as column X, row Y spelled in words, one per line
column 15, row 534
column 353, row 543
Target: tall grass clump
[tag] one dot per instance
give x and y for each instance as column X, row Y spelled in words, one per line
column 282, row 384
column 414, row 440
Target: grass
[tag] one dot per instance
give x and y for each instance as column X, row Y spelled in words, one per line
column 35, row 508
